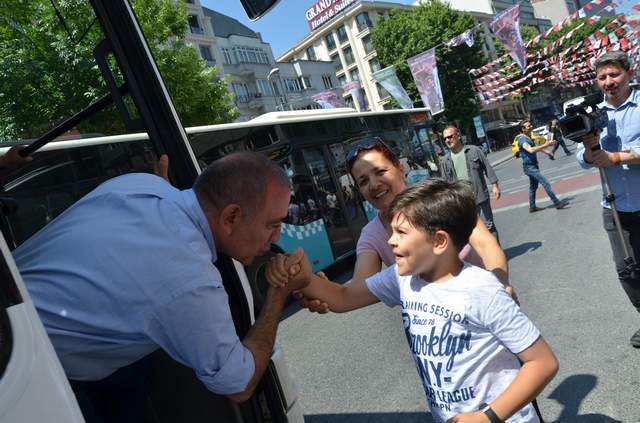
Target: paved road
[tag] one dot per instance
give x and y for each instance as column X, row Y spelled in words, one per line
column 356, row 367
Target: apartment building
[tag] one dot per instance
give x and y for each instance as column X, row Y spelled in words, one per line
column 260, row 83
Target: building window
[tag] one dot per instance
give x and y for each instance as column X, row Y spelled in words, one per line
column 374, row 64
column 311, row 53
column 337, row 64
column 348, row 56
column 251, row 55
column 291, row 84
column 194, row 25
column 264, row 88
column 367, row 44
column 342, row 80
column 327, row 80
column 342, row 34
column 227, row 56
column 305, row 82
column 363, row 21
column 242, row 92
column 331, row 42
column 355, row 75
column 348, row 101
column 205, row 52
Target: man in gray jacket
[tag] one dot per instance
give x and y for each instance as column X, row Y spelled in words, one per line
column 468, row 162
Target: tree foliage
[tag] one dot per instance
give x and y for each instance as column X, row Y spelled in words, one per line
column 48, row 73
column 406, row 34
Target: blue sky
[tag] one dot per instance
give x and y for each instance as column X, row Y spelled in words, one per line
column 282, row 27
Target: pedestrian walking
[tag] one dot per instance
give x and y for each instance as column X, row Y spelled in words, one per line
column 528, row 151
column 554, row 134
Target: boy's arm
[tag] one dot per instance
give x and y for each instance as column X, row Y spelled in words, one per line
column 538, row 368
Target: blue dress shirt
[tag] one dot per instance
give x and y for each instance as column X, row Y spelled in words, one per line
column 621, row 134
column 127, row 269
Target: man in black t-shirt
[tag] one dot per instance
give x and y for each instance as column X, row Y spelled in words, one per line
column 555, row 135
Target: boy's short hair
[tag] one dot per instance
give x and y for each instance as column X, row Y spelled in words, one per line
column 437, row 205
column 616, row 58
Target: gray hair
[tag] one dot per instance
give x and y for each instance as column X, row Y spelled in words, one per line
column 239, row 178
column 617, row 58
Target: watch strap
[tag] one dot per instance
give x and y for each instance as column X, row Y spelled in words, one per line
column 493, row 417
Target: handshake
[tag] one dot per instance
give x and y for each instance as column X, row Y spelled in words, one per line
column 293, row 273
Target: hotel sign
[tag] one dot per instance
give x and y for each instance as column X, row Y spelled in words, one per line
column 325, row 10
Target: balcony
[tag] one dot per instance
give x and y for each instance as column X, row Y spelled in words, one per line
column 196, row 30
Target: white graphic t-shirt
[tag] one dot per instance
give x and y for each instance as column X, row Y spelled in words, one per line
column 463, row 333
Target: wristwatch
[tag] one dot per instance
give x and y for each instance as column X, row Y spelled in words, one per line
column 488, row 411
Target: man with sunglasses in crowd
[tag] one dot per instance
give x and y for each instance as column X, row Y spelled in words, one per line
column 468, row 162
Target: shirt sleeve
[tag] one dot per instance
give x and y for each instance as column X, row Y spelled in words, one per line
column 385, row 285
column 197, row 330
column 509, row 324
column 580, row 157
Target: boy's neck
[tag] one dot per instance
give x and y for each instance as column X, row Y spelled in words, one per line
column 448, row 267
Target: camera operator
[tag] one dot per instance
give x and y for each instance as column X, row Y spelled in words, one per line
column 619, row 158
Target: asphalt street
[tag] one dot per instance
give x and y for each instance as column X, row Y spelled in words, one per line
column 356, row 367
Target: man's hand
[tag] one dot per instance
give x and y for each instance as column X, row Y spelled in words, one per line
column 161, row 167
column 476, row 417
column 591, row 140
column 602, row 158
column 496, row 191
column 13, row 159
column 290, row 271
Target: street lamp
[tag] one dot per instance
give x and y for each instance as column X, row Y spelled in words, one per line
column 283, row 97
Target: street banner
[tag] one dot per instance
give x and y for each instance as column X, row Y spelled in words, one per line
column 357, row 93
column 466, row 37
column 425, row 73
column 506, row 26
column 477, row 122
column 328, row 100
column 389, row 80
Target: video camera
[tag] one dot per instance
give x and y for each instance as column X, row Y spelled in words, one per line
column 584, row 118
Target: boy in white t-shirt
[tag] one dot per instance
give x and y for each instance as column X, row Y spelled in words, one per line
column 467, row 335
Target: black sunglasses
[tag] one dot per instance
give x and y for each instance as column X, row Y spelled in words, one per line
column 364, row 145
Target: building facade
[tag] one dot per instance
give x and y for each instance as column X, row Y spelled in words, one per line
column 259, row 83
column 345, row 41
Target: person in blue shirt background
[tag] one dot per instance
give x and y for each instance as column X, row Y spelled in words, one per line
column 129, row 268
column 528, row 150
column 619, row 158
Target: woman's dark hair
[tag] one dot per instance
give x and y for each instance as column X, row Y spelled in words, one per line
column 370, row 144
column 437, row 205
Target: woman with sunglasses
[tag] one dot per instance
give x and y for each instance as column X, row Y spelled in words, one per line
column 379, row 176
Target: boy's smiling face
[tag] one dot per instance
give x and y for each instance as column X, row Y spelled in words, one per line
column 412, row 247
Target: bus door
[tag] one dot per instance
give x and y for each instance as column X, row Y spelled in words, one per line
column 330, row 201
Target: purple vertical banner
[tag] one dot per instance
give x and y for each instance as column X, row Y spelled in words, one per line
column 328, row 100
column 506, row 26
column 357, row 92
column 425, row 73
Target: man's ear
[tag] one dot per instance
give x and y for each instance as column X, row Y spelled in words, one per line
column 229, row 218
column 441, row 241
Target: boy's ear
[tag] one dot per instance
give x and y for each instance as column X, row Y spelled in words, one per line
column 441, row 242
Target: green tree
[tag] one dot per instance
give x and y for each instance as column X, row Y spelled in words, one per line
column 48, row 73
column 406, row 34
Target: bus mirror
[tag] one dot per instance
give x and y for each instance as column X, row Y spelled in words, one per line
column 256, row 8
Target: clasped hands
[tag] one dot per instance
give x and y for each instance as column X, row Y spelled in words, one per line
column 293, row 272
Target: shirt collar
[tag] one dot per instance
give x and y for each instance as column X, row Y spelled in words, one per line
column 193, row 208
column 633, row 99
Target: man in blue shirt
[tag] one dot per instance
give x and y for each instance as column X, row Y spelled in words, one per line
column 129, row 269
column 528, row 150
column 619, row 157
